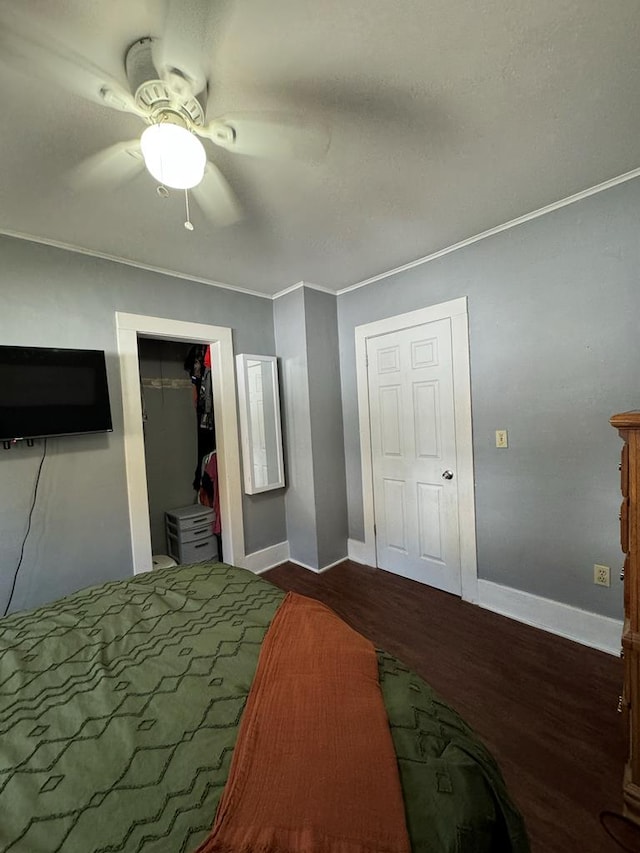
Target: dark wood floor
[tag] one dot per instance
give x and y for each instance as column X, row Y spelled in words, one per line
column 545, row 706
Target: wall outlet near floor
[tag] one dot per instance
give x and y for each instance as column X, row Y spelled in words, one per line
column 602, row 575
column 501, row 438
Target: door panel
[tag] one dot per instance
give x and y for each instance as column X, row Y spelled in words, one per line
column 430, row 522
column 424, row 353
column 390, row 413
column 426, row 414
column 394, row 506
column 413, row 442
column 388, row 360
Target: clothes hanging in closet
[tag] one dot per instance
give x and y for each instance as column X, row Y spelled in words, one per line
column 209, row 494
column 198, row 366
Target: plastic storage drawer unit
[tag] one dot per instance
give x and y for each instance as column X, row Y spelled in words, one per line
column 190, row 536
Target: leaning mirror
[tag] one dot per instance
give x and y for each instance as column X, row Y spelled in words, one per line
column 260, row 426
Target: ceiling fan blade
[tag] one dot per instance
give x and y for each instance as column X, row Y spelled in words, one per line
column 26, row 46
column 109, row 168
column 183, row 46
column 216, row 199
column 274, row 135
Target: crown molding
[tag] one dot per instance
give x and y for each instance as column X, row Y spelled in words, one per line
column 303, row 284
column 284, row 292
column 319, row 287
column 513, row 223
column 70, row 247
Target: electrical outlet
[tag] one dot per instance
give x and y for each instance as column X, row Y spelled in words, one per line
column 501, row 438
column 602, row 575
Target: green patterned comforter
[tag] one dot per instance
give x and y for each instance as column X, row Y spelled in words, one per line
column 119, row 708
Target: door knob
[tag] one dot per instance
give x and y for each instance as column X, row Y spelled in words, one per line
column 447, row 475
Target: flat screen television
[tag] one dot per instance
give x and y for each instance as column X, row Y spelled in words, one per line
column 47, row 392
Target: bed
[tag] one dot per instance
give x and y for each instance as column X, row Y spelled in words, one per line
column 120, row 707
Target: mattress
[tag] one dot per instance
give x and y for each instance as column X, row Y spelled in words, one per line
column 120, row 706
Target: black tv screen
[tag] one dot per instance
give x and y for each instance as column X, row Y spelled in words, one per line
column 47, row 392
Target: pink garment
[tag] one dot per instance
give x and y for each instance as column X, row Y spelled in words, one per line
column 212, row 500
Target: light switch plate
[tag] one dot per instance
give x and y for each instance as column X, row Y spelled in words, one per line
column 501, row 438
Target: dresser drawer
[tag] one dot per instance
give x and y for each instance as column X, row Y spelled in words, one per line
column 624, row 525
column 196, row 522
column 624, row 471
column 627, row 588
column 192, row 552
column 197, row 534
column 188, row 518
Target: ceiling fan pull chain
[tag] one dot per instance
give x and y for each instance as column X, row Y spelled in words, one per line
column 188, row 223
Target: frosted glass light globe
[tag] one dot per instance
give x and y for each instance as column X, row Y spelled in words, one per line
column 173, row 155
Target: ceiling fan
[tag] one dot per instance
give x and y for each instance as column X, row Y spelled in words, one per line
column 167, row 88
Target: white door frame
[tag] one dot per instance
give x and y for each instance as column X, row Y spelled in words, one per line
column 456, row 311
column 128, row 327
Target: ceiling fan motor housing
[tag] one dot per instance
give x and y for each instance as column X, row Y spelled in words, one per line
column 153, row 95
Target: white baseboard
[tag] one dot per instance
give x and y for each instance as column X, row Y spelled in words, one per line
column 322, row 569
column 359, row 553
column 582, row 626
column 261, row 561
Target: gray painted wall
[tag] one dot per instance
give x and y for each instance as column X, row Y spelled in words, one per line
column 80, row 529
column 553, row 310
column 327, row 437
column 291, row 348
column 307, row 345
column 553, row 307
column 170, row 433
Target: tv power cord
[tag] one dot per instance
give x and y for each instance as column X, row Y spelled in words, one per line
column 26, row 535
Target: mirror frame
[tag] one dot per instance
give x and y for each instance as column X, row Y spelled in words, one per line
column 242, row 365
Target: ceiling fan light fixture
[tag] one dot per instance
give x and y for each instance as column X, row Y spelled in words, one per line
column 173, row 155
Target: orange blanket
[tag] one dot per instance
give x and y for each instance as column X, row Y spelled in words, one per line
column 314, row 769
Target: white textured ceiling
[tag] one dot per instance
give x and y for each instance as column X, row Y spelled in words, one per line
column 448, row 117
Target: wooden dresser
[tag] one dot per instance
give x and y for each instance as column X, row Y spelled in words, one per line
column 628, row 425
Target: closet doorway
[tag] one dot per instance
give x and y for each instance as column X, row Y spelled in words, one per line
column 180, row 445
column 131, row 328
